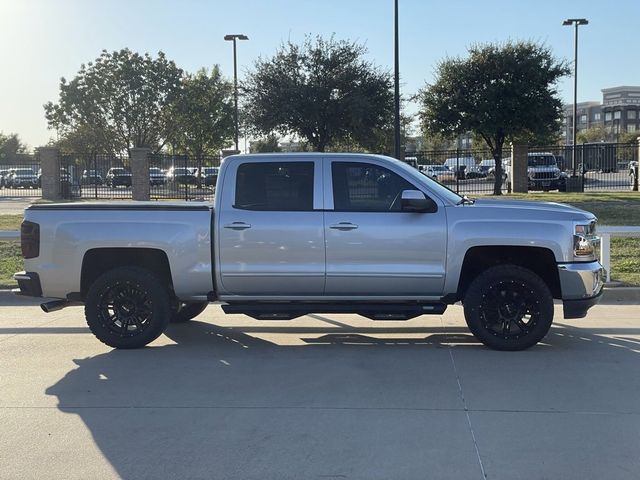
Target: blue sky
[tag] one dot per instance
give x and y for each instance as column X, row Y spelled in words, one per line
column 41, row 41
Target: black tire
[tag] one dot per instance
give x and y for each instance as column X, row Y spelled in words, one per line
column 508, row 308
column 187, row 311
column 127, row 307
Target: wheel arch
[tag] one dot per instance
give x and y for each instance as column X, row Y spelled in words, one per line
column 97, row 261
column 540, row 260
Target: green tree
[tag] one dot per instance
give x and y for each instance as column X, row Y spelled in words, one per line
column 322, row 91
column 10, row 146
column 593, row 134
column 122, row 96
column 84, row 139
column 203, row 113
column 500, row 92
column 266, row 145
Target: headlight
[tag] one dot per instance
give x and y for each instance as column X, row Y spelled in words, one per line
column 586, row 245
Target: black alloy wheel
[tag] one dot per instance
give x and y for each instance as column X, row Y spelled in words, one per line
column 127, row 307
column 508, row 308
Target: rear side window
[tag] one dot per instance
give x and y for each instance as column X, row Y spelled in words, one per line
column 275, row 186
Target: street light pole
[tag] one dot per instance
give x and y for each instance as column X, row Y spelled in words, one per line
column 233, row 38
column 396, row 75
column 576, row 22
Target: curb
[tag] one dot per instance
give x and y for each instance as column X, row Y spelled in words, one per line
column 625, row 295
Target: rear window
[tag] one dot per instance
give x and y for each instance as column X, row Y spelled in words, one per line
column 275, row 186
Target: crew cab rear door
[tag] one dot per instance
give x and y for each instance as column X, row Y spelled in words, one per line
column 270, row 230
column 373, row 248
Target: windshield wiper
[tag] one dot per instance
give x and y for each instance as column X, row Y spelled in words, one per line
column 466, row 199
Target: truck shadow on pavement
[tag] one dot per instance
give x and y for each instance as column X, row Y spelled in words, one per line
column 223, row 403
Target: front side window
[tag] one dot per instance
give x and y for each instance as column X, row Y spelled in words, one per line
column 275, row 186
column 364, row 187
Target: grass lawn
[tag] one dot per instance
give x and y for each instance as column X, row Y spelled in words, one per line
column 611, row 208
column 10, row 263
column 10, row 222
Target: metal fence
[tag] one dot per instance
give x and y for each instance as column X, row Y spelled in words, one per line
column 467, row 172
column 183, row 177
column 601, row 166
column 95, row 176
column 20, row 176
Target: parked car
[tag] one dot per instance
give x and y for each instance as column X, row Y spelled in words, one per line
column 440, row 173
column 3, row 175
column 182, row 176
column 209, row 175
column 280, row 243
column 65, row 177
column 157, row 176
column 91, row 177
column 118, row 177
column 543, row 172
column 462, row 167
column 22, row 178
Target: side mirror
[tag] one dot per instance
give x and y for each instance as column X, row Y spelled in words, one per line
column 416, row 201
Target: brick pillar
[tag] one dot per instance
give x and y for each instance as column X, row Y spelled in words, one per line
column 140, row 173
column 634, row 185
column 518, row 175
column 50, row 173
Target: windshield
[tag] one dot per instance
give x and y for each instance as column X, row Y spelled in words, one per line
column 155, row 170
column 542, row 161
column 24, row 171
column 118, row 171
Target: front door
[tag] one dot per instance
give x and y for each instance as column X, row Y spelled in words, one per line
column 374, row 248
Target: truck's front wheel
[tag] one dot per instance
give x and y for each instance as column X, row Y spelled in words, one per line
column 508, row 308
column 127, row 307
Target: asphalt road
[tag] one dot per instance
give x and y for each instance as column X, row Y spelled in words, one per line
column 320, row 397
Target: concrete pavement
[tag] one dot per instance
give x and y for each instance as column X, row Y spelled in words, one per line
column 323, row 396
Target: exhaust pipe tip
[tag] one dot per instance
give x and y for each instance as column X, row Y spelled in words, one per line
column 54, row 305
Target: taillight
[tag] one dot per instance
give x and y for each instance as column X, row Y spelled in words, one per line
column 30, row 239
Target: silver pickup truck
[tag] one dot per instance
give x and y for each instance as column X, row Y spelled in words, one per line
column 293, row 234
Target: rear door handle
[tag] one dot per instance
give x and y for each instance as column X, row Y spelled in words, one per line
column 238, row 226
column 344, row 226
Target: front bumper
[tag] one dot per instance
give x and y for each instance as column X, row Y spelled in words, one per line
column 29, row 284
column 581, row 285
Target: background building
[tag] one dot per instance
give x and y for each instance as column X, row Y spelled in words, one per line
column 619, row 112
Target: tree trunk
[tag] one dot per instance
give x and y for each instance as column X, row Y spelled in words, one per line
column 497, row 181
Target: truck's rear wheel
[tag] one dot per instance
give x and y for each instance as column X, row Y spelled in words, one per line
column 187, row 311
column 508, row 308
column 127, row 307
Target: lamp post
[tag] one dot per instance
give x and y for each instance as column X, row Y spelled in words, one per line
column 576, row 22
column 396, row 76
column 233, row 38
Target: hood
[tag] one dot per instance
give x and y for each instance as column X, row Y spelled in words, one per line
column 526, row 208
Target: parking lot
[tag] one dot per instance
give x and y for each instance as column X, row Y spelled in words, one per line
column 322, row 396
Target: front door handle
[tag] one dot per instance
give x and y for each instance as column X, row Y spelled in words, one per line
column 238, row 226
column 344, row 226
